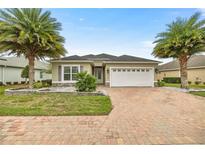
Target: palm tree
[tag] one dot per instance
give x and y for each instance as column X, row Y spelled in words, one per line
column 32, row 33
column 182, row 39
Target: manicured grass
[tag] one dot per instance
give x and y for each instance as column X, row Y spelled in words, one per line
column 199, row 93
column 201, row 86
column 53, row 104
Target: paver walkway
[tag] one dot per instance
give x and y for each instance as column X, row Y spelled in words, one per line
column 140, row 116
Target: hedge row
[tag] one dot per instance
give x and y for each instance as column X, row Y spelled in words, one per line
column 172, row 79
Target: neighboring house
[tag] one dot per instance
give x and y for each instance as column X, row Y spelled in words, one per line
column 115, row 71
column 196, row 69
column 11, row 68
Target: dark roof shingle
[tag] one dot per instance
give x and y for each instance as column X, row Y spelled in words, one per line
column 108, row 57
column 194, row 61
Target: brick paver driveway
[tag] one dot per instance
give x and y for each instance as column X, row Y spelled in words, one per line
column 140, row 116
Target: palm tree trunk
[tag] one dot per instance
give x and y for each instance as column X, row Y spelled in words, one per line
column 183, row 71
column 31, row 71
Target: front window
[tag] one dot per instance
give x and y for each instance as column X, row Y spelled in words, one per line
column 70, row 73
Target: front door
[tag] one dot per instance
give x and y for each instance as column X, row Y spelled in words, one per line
column 98, row 73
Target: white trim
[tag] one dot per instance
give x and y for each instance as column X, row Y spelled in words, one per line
column 62, row 73
column 63, row 81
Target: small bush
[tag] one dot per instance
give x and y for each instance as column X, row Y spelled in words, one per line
column 172, row 79
column 23, row 82
column 160, row 83
column 15, row 83
column 45, row 84
column 85, row 82
column 8, row 83
column 204, row 83
column 189, row 82
column 38, row 85
column 197, row 82
column 48, row 82
column 1, row 83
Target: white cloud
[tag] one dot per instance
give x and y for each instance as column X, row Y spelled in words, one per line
column 82, row 19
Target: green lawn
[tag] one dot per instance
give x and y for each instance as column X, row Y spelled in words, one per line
column 198, row 93
column 201, row 86
column 53, row 104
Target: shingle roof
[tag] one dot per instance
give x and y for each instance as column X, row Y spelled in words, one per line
column 194, row 61
column 21, row 62
column 107, row 57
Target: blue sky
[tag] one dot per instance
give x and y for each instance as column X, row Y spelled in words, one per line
column 115, row 31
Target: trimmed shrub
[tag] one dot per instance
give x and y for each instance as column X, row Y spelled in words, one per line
column 25, row 72
column 15, row 83
column 204, row 83
column 160, row 83
column 23, row 82
column 8, row 83
column 197, row 82
column 1, row 83
column 172, row 79
column 189, row 82
column 38, row 85
column 48, row 82
column 85, row 82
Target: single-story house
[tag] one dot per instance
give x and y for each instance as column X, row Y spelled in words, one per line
column 115, row 71
column 11, row 68
column 196, row 69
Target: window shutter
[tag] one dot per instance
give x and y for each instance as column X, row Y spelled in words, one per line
column 59, row 72
column 81, row 68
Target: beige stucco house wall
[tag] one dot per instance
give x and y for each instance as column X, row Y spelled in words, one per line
column 195, row 71
column 102, row 66
column 56, row 78
column 160, row 75
column 193, row 74
column 55, row 66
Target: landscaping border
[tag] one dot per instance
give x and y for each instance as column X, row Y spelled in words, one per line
column 46, row 91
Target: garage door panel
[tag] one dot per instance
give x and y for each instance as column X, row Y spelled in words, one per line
column 121, row 77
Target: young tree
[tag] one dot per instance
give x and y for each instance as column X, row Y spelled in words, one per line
column 183, row 38
column 32, row 33
column 25, row 73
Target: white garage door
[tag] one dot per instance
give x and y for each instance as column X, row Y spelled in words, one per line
column 131, row 77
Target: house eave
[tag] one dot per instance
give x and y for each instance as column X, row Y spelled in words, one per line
column 71, row 61
column 177, row 69
column 131, row 62
column 104, row 62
